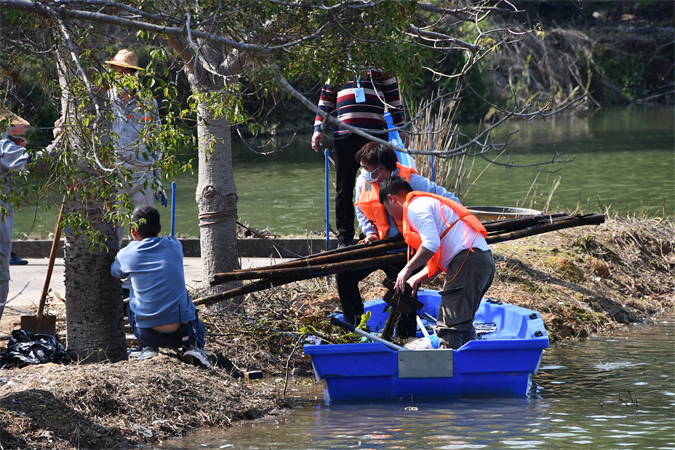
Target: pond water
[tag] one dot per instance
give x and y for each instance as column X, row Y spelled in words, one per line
column 624, row 159
column 613, row 392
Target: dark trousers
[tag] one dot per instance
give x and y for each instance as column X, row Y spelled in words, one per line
column 352, row 303
column 153, row 338
column 346, row 169
column 461, row 297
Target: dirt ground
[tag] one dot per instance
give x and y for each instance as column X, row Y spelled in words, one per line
column 582, row 281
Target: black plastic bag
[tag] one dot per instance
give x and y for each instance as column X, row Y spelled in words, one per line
column 26, row 348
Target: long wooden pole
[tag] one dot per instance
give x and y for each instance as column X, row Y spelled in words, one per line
column 591, row 219
column 50, row 265
column 318, row 271
column 309, row 272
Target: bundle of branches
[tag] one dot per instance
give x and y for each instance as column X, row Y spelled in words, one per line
column 380, row 253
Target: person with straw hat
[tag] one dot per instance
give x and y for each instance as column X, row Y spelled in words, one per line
column 12, row 158
column 134, row 120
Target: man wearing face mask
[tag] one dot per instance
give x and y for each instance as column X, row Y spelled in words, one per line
column 378, row 163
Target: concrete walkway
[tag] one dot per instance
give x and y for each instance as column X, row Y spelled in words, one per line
column 27, row 282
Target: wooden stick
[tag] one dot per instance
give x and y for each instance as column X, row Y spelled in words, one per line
column 564, row 222
column 341, row 254
column 591, row 219
column 245, row 289
column 311, row 271
column 50, row 265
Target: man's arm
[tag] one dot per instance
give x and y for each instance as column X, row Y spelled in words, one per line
column 421, row 257
column 422, row 221
column 12, row 156
column 326, row 103
column 116, row 270
column 367, row 227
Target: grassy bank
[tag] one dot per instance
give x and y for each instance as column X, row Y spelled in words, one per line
column 582, row 281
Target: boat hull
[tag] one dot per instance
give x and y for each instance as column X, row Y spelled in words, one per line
column 499, row 364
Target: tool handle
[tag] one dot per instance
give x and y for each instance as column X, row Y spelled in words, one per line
column 353, row 329
column 173, row 208
column 52, row 258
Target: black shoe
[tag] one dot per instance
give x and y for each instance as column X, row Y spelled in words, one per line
column 16, row 261
column 343, row 242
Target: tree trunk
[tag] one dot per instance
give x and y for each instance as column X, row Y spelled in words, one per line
column 216, row 197
column 94, row 308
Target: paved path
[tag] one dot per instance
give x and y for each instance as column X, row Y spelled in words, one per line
column 27, row 281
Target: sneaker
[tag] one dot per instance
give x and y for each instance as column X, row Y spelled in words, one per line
column 197, row 357
column 16, row 261
column 146, row 353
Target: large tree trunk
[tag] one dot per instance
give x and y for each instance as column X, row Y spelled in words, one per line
column 216, row 197
column 216, row 194
column 94, row 309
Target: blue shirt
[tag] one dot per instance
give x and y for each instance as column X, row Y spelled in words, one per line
column 417, row 182
column 158, row 295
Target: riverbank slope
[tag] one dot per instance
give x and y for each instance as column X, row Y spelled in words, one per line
column 582, row 281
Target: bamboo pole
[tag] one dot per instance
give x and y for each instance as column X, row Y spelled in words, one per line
column 245, row 289
column 309, row 272
column 591, row 219
column 325, row 258
column 557, row 223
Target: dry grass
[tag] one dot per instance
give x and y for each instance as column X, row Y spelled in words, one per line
column 582, row 281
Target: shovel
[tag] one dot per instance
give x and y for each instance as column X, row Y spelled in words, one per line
column 42, row 324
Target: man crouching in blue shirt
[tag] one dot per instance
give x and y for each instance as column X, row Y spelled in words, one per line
column 160, row 311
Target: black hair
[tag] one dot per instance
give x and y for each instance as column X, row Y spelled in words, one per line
column 392, row 186
column 375, row 154
column 146, row 221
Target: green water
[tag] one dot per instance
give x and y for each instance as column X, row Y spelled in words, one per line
column 624, row 160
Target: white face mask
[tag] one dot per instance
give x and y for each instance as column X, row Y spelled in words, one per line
column 371, row 176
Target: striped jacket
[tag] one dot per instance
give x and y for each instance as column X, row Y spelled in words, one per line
column 369, row 115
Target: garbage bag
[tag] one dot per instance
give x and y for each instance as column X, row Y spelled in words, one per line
column 25, row 348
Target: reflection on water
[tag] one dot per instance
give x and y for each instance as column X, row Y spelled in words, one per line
column 603, row 393
column 624, row 158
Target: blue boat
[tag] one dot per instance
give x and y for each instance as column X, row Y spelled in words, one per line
column 498, row 364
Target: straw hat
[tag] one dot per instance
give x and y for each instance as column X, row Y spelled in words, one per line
column 125, row 58
column 12, row 118
column 9, row 119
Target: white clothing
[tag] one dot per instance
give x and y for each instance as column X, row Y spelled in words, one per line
column 129, row 121
column 425, row 217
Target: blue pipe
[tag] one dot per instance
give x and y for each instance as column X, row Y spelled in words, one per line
column 431, row 157
column 173, row 208
column 325, row 152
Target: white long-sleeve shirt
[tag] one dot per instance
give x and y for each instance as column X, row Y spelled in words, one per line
column 426, row 218
column 128, row 123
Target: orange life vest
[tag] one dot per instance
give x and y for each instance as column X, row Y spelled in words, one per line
column 414, row 240
column 369, row 202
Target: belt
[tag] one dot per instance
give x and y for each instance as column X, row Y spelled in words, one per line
column 156, row 333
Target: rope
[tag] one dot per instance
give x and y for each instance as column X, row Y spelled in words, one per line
column 216, row 216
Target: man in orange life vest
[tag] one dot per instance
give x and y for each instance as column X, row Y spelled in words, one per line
column 449, row 238
column 378, row 163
